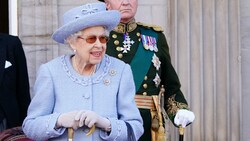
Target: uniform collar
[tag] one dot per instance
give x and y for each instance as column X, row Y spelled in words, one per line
column 126, row 27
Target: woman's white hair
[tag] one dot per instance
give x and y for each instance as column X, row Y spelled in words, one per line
column 74, row 36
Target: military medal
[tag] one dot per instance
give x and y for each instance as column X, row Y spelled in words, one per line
column 157, row 80
column 156, row 61
column 157, row 64
column 145, row 42
column 154, row 44
column 149, row 43
column 126, row 43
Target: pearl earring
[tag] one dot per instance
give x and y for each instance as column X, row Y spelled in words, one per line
column 74, row 50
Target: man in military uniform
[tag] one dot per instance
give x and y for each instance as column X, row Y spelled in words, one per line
column 145, row 48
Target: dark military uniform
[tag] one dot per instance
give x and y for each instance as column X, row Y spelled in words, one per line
column 145, row 48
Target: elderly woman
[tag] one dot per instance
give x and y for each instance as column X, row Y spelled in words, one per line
column 87, row 88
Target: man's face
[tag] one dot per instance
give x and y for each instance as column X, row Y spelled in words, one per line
column 127, row 8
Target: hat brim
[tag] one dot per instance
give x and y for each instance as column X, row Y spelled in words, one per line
column 108, row 19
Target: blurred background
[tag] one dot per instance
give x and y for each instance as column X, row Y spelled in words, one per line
column 209, row 44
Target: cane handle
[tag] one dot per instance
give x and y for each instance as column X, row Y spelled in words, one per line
column 71, row 132
column 92, row 129
column 181, row 130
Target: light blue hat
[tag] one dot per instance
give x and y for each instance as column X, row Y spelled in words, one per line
column 88, row 15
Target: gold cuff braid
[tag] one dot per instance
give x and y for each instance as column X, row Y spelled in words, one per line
column 173, row 106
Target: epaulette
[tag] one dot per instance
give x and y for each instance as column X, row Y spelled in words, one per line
column 154, row 27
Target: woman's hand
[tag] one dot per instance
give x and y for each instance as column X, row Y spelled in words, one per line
column 67, row 120
column 90, row 118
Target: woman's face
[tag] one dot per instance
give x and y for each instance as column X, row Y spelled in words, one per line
column 91, row 45
column 127, row 8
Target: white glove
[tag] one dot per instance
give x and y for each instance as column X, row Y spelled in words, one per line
column 184, row 117
column 90, row 118
column 67, row 120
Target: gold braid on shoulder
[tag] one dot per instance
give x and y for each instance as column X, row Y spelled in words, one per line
column 154, row 27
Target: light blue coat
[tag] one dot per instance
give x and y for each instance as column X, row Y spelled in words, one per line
column 59, row 88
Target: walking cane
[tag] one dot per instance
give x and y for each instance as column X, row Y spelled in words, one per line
column 71, row 132
column 181, row 132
